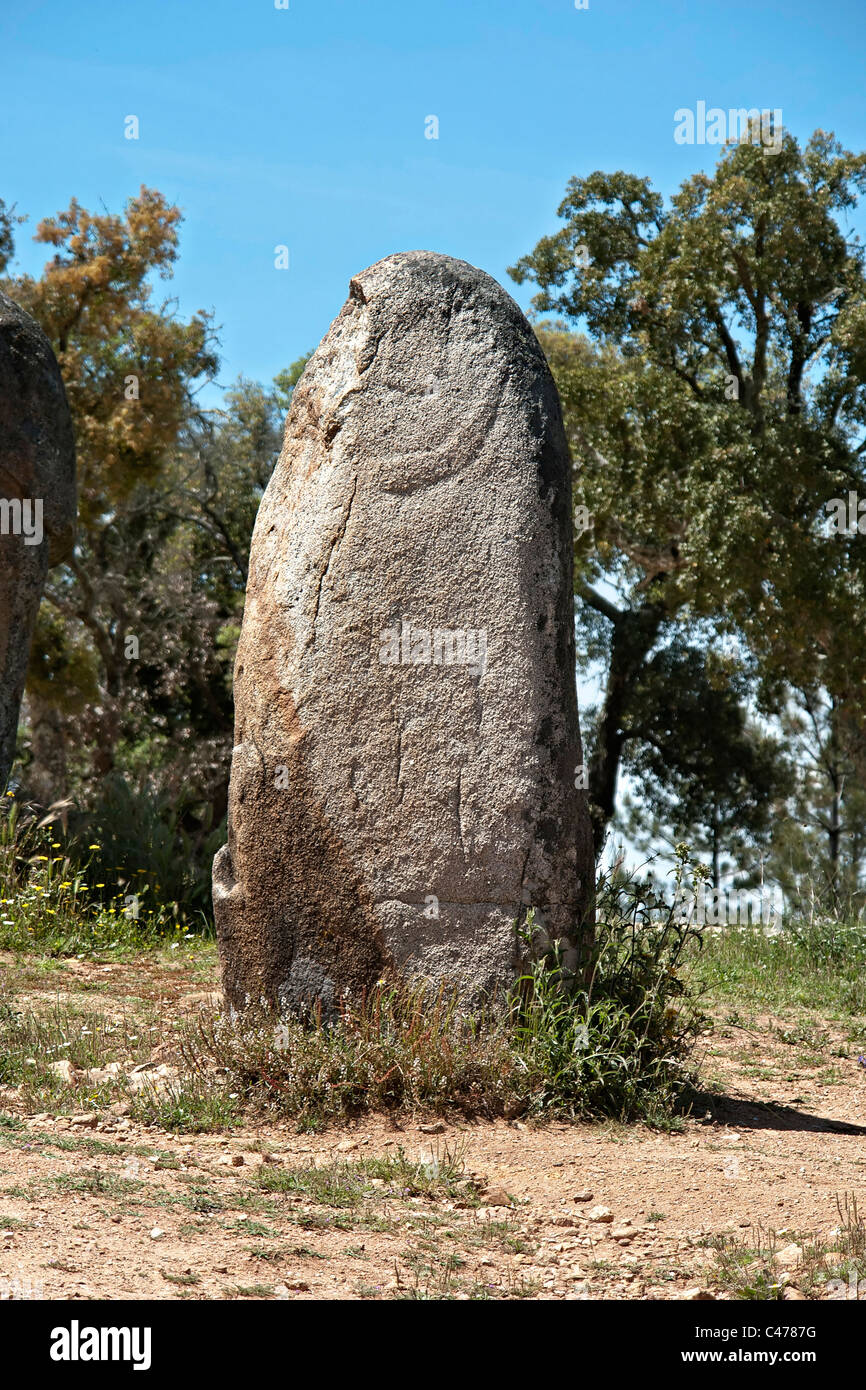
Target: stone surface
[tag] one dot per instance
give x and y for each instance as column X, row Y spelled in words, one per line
column 401, row 794
column 37, row 465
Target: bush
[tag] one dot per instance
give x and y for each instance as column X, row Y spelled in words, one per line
column 615, row 1047
column 57, row 895
column 618, row 1045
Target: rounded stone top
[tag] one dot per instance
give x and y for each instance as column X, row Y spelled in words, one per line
column 428, row 274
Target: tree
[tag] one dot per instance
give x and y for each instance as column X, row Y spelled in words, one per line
column 716, row 407
column 129, row 689
column 818, row 848
column 708, row 775
column 131, row 370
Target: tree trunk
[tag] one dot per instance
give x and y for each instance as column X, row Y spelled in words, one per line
column 634, row 635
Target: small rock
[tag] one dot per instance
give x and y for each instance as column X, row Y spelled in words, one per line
column 156, row 1233
column 347, row 1146
column 603, row 1214
column 585, row 1196
column 85, row 1119
column 64, row 1070
column 437, row 1128
column 498, row 1197
column 790, row 1255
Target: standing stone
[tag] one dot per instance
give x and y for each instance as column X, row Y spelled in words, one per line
column 37, row 498
column 403, row 782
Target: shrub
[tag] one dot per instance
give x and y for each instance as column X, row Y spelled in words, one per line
column 615, row 1047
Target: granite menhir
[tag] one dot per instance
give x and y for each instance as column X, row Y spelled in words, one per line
column 404, row 779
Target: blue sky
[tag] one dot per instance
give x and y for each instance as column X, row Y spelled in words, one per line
column 305, row 126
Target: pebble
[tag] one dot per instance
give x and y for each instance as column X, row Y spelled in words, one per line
column 64, row 1069
column 602, row 1214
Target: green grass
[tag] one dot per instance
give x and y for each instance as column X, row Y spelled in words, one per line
column 182, row 1279
column 815, row 966
column 95, row 1183
column 747, row 1267
column 194, row 1103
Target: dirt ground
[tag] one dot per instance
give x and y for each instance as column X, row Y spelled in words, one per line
column 94, row 1205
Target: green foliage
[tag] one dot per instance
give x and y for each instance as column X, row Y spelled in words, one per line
column 194, row 1104
column 708, row 774
column 618, row 1045
column 715, row 408
column 144, row 848
column 130, row 672
column 54, row 897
